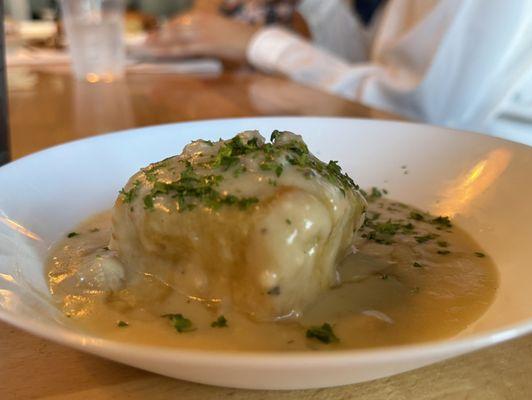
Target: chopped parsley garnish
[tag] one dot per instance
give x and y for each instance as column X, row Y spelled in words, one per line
column 221, row 322
column 192, row 188
column 375, row 194
column 299, row 155
column 180, row 323
column 148, row 202
column 388, row 227
column 383, row 232
column 129, row 195
column 442, row 243
column 275, row 134
column 378, row 238
column 272, row 166
column 374, row 216
column 238, row 147
column 122, row 324
column 417, row 265
column 288, row 221
column 443, row 252
column 408, row 228
column 416, row 216
column 246, row 202
column 444, row 222
column 274, row 291
column 480, row 254
column 229, row 152
column 226, row 162
column 322, row 333
column 201, row 186
column 425, row 238
column 72, row 234
column 151, row 175
column 239, row 170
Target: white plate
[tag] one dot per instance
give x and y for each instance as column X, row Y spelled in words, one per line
column 482, row 182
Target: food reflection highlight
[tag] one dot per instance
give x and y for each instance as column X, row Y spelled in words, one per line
column 248, row 245
column 19, row 228
column 472, row 183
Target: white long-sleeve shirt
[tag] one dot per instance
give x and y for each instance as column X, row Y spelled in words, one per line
column 460, row 63
column 335, row 27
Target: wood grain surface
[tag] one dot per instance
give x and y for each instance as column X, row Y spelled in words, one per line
column 48, row 108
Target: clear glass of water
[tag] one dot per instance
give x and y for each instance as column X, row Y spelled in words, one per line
column 95, row 33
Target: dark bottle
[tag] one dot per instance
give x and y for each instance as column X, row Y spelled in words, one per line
column 4, row 123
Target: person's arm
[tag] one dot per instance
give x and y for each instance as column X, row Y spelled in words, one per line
column 277, row 50
column 456, row 67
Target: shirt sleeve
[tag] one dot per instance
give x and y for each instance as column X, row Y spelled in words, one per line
column 335, row 27
column 277, row 50
column 460, row 65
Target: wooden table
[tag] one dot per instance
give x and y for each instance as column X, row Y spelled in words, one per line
column 50, row 108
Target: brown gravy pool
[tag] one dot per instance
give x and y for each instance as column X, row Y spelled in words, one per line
column 412, row 279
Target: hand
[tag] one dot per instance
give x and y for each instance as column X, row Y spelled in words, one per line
column 201, row 34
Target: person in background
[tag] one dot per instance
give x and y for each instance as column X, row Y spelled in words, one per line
column 331, row 25
column 266, row 12
column 460, row 63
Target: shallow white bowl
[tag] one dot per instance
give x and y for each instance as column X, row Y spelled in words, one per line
column 484, row 183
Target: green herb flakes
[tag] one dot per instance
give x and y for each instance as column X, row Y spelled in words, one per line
column 444, row 222
column 148, row 202
column 322, row 333
column 129, row 195
column 425, row 238
column 72, row 234
column 374, row 195
column 417, row 216
column 274, row 291
column 180, row 323
column 239, row 170
column 221, row 322
column 417, row 265
column 272, row 166
column 480, row 254
column 194, row 188
column 122, row 324
column 274, row 136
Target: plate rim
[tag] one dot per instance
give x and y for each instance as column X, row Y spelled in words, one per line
column 139, row 130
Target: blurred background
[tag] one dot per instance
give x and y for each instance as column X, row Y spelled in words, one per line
column 465, row 65
column 48, row 9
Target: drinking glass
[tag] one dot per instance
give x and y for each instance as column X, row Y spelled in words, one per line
column 95, row 33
